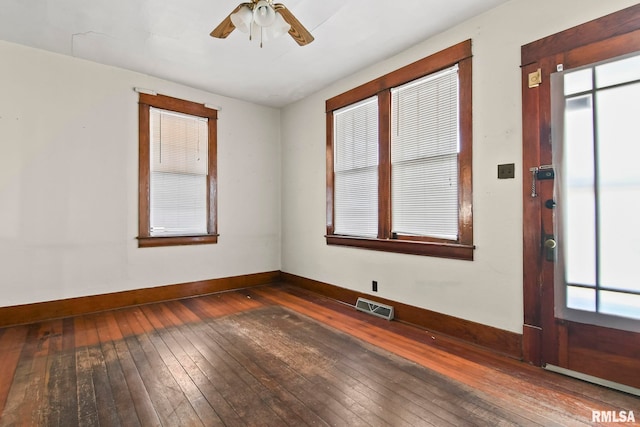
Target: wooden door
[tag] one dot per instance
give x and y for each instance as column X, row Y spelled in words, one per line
column 593, row 341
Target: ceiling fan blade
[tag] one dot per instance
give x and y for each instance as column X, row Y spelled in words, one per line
column 299, row 33
column 226, row 26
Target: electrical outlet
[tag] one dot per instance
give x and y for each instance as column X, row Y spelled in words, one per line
column 374, row 285
column 507, row 171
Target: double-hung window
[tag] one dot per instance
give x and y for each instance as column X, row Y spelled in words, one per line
column 399, row 160
column 356, row 169
column 177, row 176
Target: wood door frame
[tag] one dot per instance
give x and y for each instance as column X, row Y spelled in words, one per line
column 544, row 53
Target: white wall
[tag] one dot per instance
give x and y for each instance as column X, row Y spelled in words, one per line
column 489, row 289
column 68, row 183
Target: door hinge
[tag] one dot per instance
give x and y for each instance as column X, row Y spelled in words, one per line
column 535, row 78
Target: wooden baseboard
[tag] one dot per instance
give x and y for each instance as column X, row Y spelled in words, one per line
column 29, row 313
column 495, row 339
column 498, row 340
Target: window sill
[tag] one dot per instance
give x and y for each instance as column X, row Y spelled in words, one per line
column 435, row 249
column 151, row 242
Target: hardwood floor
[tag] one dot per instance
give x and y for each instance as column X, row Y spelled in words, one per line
column 275, row 355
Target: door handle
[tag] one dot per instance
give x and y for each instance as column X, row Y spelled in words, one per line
column 550, row 245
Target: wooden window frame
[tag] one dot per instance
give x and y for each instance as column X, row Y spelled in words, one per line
column 144, row 170
column 463, row 248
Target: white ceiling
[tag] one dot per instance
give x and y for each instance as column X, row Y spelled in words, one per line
column 170, row 39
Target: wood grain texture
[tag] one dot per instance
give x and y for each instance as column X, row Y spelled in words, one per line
column 532, row 219
column 493, row 338
column 612, row 25
column 298, row 32
column 411, row 247
column 226, row 26
column 144, row 170
column 422, row 67
column 598, row 351
column 273, row 355
column 28, row 313
column 384, row 165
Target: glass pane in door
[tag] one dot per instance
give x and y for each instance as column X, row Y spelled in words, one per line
column 619, row 186
column 599, row 190
column 579, row 203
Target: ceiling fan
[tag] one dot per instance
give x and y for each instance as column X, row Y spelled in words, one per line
column 265, row 19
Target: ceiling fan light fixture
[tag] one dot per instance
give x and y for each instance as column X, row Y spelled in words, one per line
column 264, row 19
column 264, row 14
column 242, row 19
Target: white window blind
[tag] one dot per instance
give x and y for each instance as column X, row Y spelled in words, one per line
column 179, row 158
column 356, row 169
column 424, row 156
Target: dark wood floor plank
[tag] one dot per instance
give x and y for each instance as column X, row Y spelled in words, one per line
column 238, row 387
column 178, row 362
column 210, row 383
column 272, row 394
column 122, row 397
column 319, row 372
column 146, row 413
column 168, row 401
column 62, row 402
column 311, row 353
column 360, row 380
column 446, row 403
column 460, row 369
column 87, row 413
column 274, row 355
column 410, row 391
column 316, row 398
column 12, row 342
column 443, row 363
column 485, row 371
column 97, row 362
column 51, row 376
column 266, row 399
column 31, row 377
column 150, row 403
column 506, row 375
column 455, row 347
column 401, row 407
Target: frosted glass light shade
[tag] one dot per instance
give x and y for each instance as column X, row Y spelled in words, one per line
column 242, row 19
column 279, row 27
column 263, row 14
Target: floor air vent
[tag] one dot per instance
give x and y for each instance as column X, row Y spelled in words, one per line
column 377, row 309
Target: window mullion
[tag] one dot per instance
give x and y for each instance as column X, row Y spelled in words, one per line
column 384, row 164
